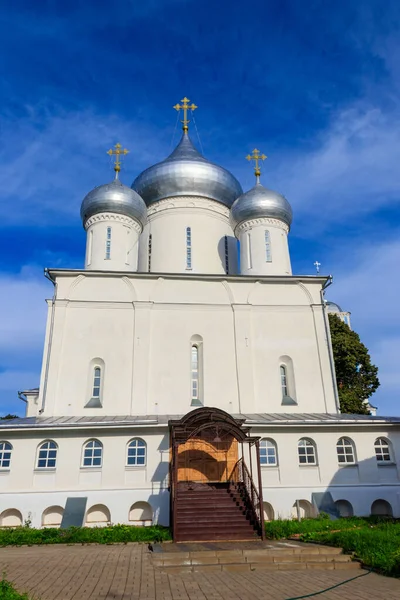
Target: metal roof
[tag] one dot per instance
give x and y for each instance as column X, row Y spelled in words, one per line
column 162, row 420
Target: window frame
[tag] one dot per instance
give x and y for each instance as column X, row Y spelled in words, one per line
column 268, row 443
column 268, row 248
column 92, row 456
column 195, row 373
column 140, row 443
column 108, row 243
column 5, row 450
column 50, row 449
column 283, row 372
column 307, row 443
column 189, row 256
column 343, row 443
column 226, row 248
column 149, row 249
column 99, row 386
column 389, row 453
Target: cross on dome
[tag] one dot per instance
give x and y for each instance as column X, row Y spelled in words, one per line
column 256, row 156
column 185, row 106
column 117, row 152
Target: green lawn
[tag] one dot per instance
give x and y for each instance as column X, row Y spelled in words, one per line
column 8, row 592
column 374, row 540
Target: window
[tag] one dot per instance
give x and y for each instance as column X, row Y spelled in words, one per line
column 345, row 451
column 90, row 247
column 284, row 383
column 268, row 453
column 96, row 382
column 226, row 255
column 136, row 453
column 5, row 455
column 382, row 451
column 195, row 372
column 188, row 248
column 92, row 454
column 268, row 254
column 249, row 261
column 108, row 244
column 307, row 452
column 47, row 455
column 149, row 252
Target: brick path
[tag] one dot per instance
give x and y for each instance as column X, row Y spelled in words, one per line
column 125, row 572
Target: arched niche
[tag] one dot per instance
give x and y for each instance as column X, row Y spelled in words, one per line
column 52, row 516
column 381, row 508
column 269, row 513
column 98, row 514
column 11, row 518
column 345, row 508
column 141, row 513
column 303, row 509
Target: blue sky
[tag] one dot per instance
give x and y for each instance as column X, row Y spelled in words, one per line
column 315, row 85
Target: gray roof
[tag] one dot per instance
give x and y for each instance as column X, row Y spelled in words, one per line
column 260, row 202
column 116, row 198
column 159, row 420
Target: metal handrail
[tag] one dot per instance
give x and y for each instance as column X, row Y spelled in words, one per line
column 241, row 474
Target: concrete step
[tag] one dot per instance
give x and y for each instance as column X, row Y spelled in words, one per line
column 273, row 566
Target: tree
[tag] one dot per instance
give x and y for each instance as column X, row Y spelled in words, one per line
column 6, row 417
column 356, row 376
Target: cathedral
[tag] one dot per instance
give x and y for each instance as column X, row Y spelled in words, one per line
column 188, row 376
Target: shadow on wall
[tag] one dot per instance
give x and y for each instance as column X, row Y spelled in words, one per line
column 358, row 488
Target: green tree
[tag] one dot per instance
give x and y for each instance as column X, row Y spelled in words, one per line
column 356, row 376
column 6, row 417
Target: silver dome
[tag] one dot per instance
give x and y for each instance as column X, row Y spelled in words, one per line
column 114, row 197
column 332, row 307
column 261, row 202
column 187, row 173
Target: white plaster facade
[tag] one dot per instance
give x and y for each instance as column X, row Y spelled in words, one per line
column 117, row 361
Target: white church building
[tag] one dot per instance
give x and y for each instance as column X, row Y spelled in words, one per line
column 188, row 373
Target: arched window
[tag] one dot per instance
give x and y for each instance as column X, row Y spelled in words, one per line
column 92, row 454
column 226, row 255
column 284, row 381
column 47, row 455
column 188, row 247
column 108, row 243
column 96, row 392
column 136, row 456
column 196, row 370
column 345, row 451
column 5, row 455
column 307, row 452
column 149, row 251
column 268, row 453
column 268, row 253
column 383, row 451
column 249, row 251
column 195, row 373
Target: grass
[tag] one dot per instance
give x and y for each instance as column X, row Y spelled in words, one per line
column 374, row 540
column 8, row 592
column 20, row 536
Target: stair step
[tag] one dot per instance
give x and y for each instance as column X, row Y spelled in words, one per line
column 285, row 566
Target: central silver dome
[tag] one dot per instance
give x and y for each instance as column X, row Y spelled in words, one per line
column 261, row 202
column 114, row 197
column 187, row 173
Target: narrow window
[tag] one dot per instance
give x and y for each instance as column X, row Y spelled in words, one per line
column 226, row 255
column 307, row 452
column 268, row 254
column 5, row 455
column 92, row 454
column 382, row 451
column 345, row 451
column 268, row 453
column 195, row 373
column 188, row 247
column 90, row 247
column 249, row 261
column 149, row 252
column 284, row 383
column 47, row 455
column 136, row 456
column 96, row 382
column 108, row 244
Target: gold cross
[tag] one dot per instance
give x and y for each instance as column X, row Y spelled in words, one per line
column 185, row 106
column 117, row 153
column 256, row 156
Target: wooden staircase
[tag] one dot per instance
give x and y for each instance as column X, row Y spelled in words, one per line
column 214, row 511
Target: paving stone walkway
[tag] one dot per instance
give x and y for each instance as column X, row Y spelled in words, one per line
column 125, row 572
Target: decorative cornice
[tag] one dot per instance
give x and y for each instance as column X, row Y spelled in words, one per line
column 185, row 202
column 247, row 225
column 101, row 217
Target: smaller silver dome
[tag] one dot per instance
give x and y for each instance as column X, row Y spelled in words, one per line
column 260, row 202
column 114, row 197
column 332, row 307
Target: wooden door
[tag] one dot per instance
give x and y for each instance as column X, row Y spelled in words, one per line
column 204, row 460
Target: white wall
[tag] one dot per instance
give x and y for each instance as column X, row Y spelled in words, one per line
column 253, row 256
column 124, row 242
column 167, row 224
column 118, row 487
column 141, row 327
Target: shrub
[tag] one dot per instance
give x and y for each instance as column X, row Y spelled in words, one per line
column 8, row 591
column 83, row 535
